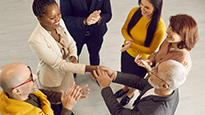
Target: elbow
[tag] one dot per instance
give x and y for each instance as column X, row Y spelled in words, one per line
column 151, row 51
column 123, row 31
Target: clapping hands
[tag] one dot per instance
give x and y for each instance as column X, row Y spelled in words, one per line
column 72, row 95
column 94, row 17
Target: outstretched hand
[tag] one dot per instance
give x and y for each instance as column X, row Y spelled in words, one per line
column 127, row 45
column 109, row 71
column 72, row 95
column 143, row 63
column 84, row 91
column 102, row 77
column 90, row 68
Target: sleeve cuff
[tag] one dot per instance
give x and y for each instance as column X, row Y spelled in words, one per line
column 66, row 112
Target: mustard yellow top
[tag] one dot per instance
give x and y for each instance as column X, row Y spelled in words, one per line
column 138, row 34
column 10, row 106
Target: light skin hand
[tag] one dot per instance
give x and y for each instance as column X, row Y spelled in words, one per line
column 109, row 71
column 127, row 45
column 102, row 77
column 146, row 62
column 72, row 95
column 84, row 91
column 137, row 60
column 93, row 17
column 93, row 77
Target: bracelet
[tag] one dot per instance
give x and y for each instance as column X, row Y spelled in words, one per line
column 86, row 22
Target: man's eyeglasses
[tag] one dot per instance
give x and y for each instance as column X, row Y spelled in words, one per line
column 26, row 81
column 159, row 78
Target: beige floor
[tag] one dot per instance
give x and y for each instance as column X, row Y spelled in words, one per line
column 17, row 22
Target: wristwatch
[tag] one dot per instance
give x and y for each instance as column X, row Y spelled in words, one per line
column 100, row 20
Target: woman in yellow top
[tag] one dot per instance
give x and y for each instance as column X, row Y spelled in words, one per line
column 143, row 31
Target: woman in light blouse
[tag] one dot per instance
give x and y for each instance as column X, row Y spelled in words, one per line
column 56, row 50
column 182, row 35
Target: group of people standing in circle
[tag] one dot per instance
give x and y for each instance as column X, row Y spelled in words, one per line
column 143, row 31
column 85, row 20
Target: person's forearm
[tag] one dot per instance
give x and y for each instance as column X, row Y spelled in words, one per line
column 89, row 68
column 130, row 80
column 53, row 96
column 66, row 112
column 112, row 104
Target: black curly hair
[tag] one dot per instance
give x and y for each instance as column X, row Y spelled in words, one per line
column 39, row 6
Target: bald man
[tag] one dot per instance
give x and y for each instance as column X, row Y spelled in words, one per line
column 20, row 94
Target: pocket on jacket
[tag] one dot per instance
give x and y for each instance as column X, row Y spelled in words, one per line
column 50, row 77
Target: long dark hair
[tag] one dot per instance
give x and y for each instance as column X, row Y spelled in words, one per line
column 153, row 23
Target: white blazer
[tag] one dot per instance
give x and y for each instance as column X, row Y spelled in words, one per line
column 52, row 68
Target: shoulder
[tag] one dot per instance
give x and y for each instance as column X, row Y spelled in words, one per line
column 161, row 24
column 133, row 10
column 183, row 57
column 183, row 53
column 39, row 34
column 36, row 34
column 38, row 93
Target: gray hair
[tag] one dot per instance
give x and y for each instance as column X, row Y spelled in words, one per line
column 175, row 74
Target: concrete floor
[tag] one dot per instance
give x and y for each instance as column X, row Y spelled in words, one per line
column 17, row 23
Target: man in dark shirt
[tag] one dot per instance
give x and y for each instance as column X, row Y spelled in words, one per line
column 20, row 94
column 86, row 22
column 159, row 94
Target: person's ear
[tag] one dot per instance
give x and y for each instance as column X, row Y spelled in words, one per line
column 16, row 91
column 39, row 19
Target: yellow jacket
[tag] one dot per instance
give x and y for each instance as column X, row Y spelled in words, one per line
column 10, row 106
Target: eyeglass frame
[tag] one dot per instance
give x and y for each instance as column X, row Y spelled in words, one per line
column 158, row 77
column 26, row 81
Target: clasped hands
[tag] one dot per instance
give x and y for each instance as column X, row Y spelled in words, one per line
column 104, row 76
column 94, row 17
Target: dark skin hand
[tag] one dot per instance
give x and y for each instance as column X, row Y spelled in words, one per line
column 91, row 68
column 73, row 59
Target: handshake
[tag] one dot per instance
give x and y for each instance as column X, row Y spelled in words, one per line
column 103, row 75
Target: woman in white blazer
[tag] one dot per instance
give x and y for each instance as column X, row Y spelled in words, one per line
column 56, row 50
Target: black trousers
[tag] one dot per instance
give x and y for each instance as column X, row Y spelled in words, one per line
column 129, row 66
column 93, row 46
